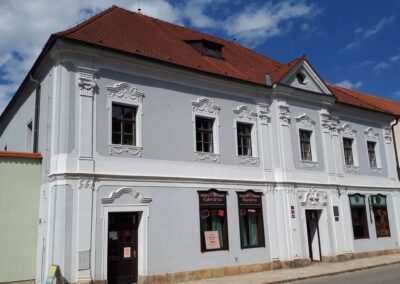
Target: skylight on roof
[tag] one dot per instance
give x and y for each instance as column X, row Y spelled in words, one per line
column 207, row 48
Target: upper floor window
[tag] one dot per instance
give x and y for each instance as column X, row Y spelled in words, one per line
column 204, row 134
column 244, row 139
column 348, row 151
column 371, row 154
column 305, row 144
column 359, row 216
column 123, row 124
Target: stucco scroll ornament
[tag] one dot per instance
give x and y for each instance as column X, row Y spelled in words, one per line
column 284, row 115
column 263, row 113
column 313, row 197
column 120, row 149
column 86, row 184
column 205, row 105
column 244, row 112
column 125, row 190
column 387, row 134
column 203, row 156
column 325, row 121
column 248, row 160
column 86, row 82
column 348, row 131
column 308, row 165
column 125, row 91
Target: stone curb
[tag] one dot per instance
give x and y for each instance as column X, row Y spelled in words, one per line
column 331, row 273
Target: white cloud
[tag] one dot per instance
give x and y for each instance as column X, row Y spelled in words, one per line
column 385, row 21
column 397, row 94
column 256, row 23
column 349, row 85
column 25, row 27
column 378, row 68
column 352, row 45
column 395, row 58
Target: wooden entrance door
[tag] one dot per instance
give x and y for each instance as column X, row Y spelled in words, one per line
column 122, row 265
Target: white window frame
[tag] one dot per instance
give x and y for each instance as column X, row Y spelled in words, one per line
column 372, row 136
column 125, row 94
column 204, row 107
column 347, row 131
column 244, row 114
column 304, row 122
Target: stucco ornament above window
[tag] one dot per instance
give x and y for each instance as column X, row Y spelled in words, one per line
column 206, row 105
column 305, row 122
column 347, row 130
column 125, row 91
column 245, row 113
column 370, row 134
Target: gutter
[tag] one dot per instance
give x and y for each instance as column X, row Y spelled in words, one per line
column 36, row 114
column 395, row 148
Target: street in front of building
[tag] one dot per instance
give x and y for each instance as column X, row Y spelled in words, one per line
column 380, row 275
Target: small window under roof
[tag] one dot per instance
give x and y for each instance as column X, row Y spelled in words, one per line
column 207, row 47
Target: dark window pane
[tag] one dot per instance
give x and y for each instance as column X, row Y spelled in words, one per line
column 123, row 124
column 305, row 145
column 381, row 217
column 244, row 139
column 359, row 216
column 204, row 134
column 371, row 154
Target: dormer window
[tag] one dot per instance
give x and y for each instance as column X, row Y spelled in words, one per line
column 207, row 48
column 301, row 78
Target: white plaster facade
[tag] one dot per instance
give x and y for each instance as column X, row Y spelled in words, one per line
column 85, row 176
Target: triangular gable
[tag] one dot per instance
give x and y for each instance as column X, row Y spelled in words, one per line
column 303, row 76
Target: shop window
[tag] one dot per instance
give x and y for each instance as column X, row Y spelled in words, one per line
column 251, row 219
column 359, row 216
column 381, row 216
column 213, row 220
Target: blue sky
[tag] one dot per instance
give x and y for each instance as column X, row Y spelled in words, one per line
column 352, row 43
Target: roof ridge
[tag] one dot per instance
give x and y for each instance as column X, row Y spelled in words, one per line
column 86, row 22
column 345, row 90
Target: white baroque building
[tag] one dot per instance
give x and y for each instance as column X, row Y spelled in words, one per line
column 168, row 156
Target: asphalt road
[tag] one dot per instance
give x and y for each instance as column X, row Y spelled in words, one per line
column 382, row 275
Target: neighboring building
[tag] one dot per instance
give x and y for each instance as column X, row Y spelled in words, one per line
column 19, row 215
column 171, row 155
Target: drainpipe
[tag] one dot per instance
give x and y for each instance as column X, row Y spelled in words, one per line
column 395, row 148
column 37, row 112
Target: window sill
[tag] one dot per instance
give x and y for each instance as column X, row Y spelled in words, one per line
column 247, row 160
column 120, row 149
column 207, row 156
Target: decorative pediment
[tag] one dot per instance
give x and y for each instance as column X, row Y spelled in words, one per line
column 348, row 130
column 313, row 197
column 125, row 190
column 205, row 105
column 303, row 76
column 304, row 121
column 125, row 91
column 244, row 113
column 371, row 134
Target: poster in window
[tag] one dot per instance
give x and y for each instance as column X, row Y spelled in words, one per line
column 127, row 252
column 212, row 240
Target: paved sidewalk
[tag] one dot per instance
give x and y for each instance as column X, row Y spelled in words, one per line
column 312, row 271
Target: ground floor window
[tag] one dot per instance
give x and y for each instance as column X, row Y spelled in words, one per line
column 359, row 216
column 213, row 220
column 380, row 215
column 251, row 219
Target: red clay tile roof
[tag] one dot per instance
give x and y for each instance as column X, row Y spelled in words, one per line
column 20, row 155
column 137, row 34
